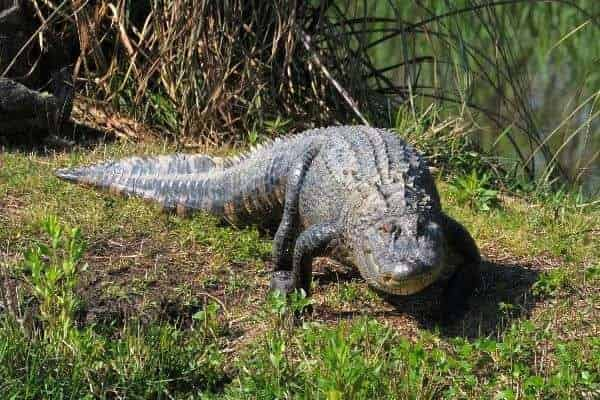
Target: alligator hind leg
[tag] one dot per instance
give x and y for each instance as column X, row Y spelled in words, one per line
column 467, row 275
column 283, row 243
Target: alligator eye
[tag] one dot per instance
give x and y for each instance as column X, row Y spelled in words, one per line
column 387, row 228
column 390, row 228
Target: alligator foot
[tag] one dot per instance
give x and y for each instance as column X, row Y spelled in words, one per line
column 283, row 281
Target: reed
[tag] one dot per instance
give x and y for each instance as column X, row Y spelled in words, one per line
column 209, row 72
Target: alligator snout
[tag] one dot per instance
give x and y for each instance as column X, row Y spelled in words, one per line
column 405, row 273
column 405, row 277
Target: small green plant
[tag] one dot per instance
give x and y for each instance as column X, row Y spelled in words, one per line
column 277, row 126
column 592, row 273
column 276, row 304
column 295, row 303
column 207, row 319
column 551, row 283
column 237, row 245
column 351, row 294
column 347, row 372
column 299, row 302
column 253, row 136
column 165, row 112
column 265, row 371
column 474, row 189
column 53, row 271
column 268, row 128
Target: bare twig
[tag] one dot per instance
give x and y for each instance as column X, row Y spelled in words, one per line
column 343, row 92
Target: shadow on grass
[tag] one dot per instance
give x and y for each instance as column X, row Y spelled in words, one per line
column 504, row 295
column 72, row 136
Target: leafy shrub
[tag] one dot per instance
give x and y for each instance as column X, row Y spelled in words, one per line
column 474, row 190
column 52, row 272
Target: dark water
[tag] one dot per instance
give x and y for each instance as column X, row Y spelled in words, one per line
column 554, row 96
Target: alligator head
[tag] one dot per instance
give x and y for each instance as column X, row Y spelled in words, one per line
column 398, row 243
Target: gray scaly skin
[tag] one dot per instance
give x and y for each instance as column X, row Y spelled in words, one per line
column 357, row 194
column 36, row 94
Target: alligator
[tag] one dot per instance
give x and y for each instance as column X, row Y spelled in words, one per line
column 357, row 194
column 36, row 90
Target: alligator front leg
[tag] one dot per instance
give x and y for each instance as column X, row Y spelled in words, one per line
column 288, row 231
column 467, row 275
column 311, row 243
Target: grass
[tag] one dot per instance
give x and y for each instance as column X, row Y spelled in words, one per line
column 137, row 303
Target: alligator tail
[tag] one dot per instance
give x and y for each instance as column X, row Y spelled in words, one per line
column 173, row 164
column 182, row 182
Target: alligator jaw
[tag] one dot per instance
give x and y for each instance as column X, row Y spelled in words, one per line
column 409, row 286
